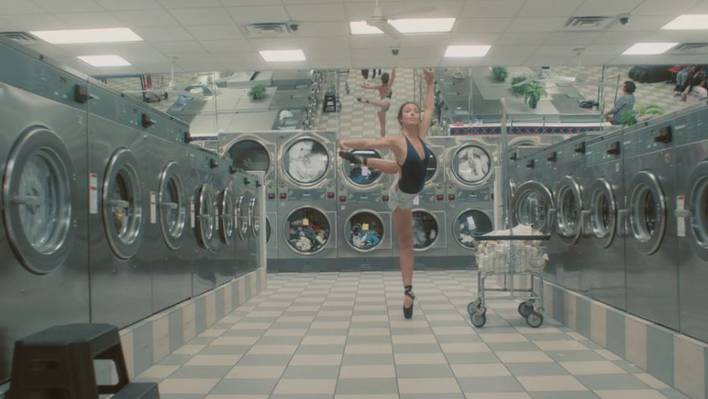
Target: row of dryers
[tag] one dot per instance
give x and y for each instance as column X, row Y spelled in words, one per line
column 627, row 212
column 320, row 207
column 107, row 215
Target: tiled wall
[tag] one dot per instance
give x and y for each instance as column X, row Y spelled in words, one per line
column 673, row 358
column 150, row 340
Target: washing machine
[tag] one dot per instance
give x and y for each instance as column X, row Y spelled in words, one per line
column 257, row 152
column 650, row 247
column 469, row 165
column 691, row 205
column 365, row 222
column 226, row 196
column 248, row 225
column 43, row 237
column 602, row 275
column 204, row 218
column 167, row 226
column 307, row 207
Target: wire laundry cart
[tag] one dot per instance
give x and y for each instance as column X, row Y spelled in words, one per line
column 510, row 255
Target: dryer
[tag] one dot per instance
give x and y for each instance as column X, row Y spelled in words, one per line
column 43, row 237
column 307, row 208
column 691, row 205
column 602, row 275
column 252, row 152
column 430, row 230
column 364, row 219
column 650, row 248
column 469, row 165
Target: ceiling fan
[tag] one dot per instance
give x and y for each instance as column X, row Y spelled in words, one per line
column 381, row 21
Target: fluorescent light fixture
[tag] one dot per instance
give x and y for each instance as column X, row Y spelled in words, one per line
column 362, row 28
column 688, row 22
column 649, row 48
column 104, row 60
column 70, row 36
column 423, row 25
column 282, row 55
column 467, row 51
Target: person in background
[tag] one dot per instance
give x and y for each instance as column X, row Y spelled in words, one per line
column 384, row 100
column 624, row 106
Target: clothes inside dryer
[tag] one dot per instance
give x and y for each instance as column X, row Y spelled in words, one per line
column 365, row 231
column 250, row 155
column 360, row 174
column 308, row 230
column 425, row 230
column 470, row 224
column 307, row 161
column 471, row 164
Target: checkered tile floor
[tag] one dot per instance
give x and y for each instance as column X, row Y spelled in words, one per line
column 343, row 336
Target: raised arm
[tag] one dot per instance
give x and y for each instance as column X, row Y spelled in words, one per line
column 393, row 77
column 429, row 103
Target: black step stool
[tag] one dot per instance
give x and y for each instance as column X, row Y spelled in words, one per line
column 330, row 102
column 57, row 363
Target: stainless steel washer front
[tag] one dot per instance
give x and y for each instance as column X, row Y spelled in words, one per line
column 533, row 205
column 647, row 212
column 172, row 205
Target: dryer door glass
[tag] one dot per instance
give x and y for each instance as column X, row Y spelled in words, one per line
column 603, row 212
column 37, row 199
column 267, row 230
column 531, row 205
column 244, row 219
column 699, row 210
column 361, row 175
column 470, row 224
column 250, row 155
column 226, row 216
column 570, row 206
column 425, row 230
column 173, row 213
column 306, row 161
column 206, row 209
column 307, row 231
column 364, row 231
column 122, row 204
column 648, row 212
column 471, row 165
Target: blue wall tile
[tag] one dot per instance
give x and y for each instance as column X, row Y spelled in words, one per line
column 582, row 309
column 176, row 332
column 660, row 354
column 142, row 347
column 200, row 315
column 615, row 332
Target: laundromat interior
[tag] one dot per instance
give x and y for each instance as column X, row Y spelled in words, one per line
column 178, row 221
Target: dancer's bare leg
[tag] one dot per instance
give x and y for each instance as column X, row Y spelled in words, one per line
column 379, row 103
column 403, row 222
column 384, row 165
column 382, row 122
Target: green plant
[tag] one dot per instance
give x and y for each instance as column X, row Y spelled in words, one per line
column 499, row 73
column 629, row 118
column 517, row 85
column 533, row 92
column 258, row 92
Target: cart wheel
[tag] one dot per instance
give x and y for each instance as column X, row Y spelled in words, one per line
column 478, row 319
column 525, row 309
column 472, row 307
column 534, row 319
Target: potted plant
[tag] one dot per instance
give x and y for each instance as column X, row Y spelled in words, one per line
column 629, row 118
column 517, row 85
column 533, row 92
column 258, row 92
column 499, row 74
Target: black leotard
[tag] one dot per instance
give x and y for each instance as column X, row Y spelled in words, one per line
column 414, row 169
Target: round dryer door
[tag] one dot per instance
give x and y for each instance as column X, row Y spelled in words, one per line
column 531, row 205
column 364, row 231
column 306, row 161
column 307, row 231
column 425, row 230
column 470, row 224
column 647, row 217
column 471, row 165
column 569, row 203
column 603, row 212
column 123, row 204
column 697, row 204
column 250, row 155
column 227, row 230
column 173, row 212
column 360, row 175
column 37, row 201
column 206, row 215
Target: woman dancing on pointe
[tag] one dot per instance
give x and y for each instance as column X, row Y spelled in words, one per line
column 384, row 100
column 411, row 163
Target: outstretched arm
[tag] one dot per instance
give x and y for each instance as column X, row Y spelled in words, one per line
column 429, row 102
column 384, row 143
column 365, row 86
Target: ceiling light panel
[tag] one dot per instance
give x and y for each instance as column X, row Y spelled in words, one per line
column 102, row 61
column 71, row 36
column 649, row 48
column 283, row 55
column 467, row 51
column 362, row 28
column 688, row 22
column 423, row 25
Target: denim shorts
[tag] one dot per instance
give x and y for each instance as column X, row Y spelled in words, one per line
column 399, row 199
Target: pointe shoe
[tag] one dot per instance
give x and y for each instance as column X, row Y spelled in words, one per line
column 408, row 311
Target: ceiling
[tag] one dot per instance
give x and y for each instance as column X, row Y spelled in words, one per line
column 210, row 35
